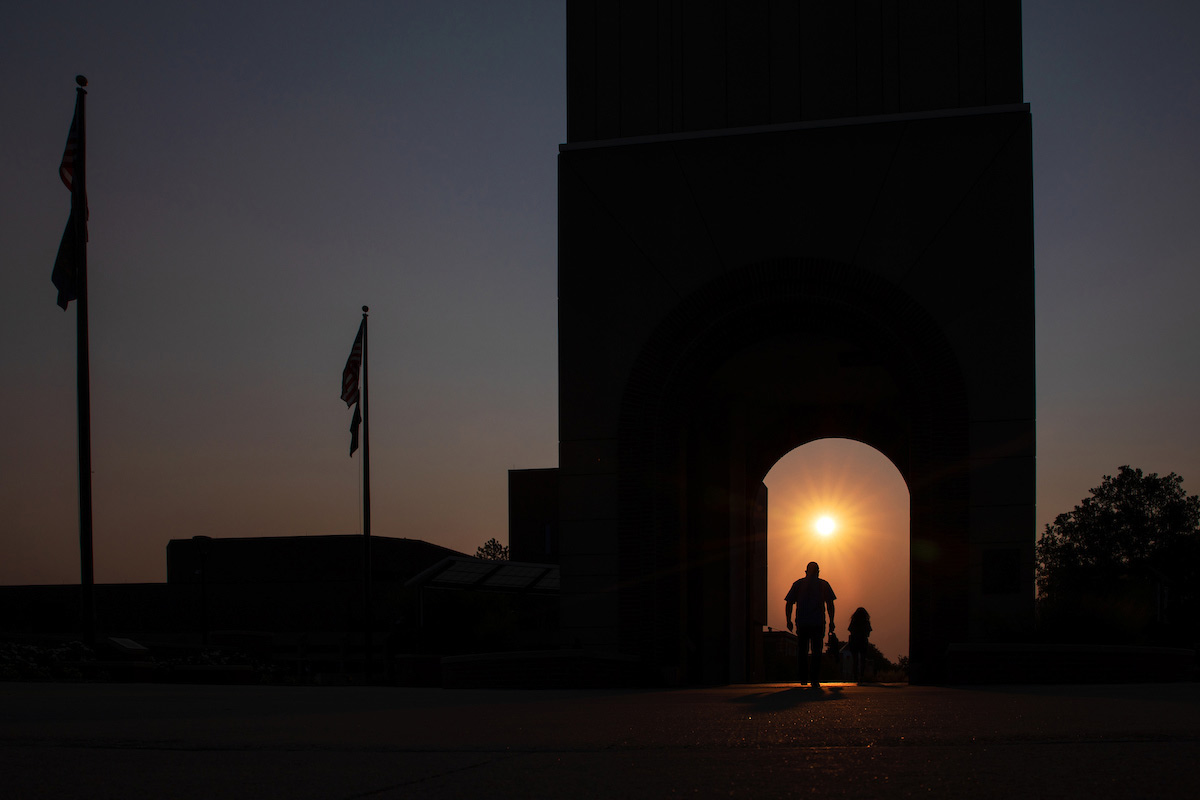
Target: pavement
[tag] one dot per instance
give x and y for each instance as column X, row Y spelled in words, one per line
column 130, row 741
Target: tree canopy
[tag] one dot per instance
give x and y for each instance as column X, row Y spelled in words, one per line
column 492, row 550
column 1134, row 530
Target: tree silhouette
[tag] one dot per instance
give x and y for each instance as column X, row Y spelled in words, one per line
column 1125, row 558
column 492, row 550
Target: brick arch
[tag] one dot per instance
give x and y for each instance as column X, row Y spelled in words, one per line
column 924, row 432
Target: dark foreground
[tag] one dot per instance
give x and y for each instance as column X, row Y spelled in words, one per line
column 157, row 741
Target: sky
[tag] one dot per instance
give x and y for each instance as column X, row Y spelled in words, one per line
column 258, row 172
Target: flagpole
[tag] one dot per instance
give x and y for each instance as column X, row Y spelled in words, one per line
column 83, row 378
column 366, row 465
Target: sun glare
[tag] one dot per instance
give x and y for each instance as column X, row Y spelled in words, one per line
column 826, row 526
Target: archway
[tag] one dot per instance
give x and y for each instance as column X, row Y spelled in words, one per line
column 753, row 365
column 865, row 556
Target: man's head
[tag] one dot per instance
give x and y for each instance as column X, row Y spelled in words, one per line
column 812, row 570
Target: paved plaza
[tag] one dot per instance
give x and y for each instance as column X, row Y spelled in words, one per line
column 182, row 741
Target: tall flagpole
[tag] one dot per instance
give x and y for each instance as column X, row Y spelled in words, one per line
column 366, row 464
column 83, row 373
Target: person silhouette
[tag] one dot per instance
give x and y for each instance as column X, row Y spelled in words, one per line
column 860, row 631
column 811, row 596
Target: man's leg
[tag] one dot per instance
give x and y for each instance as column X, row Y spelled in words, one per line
column 808, row 643
column 818, row 634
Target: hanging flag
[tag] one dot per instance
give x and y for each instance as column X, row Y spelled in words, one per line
column 350, row 383
column 72, row 250
column 353, row 366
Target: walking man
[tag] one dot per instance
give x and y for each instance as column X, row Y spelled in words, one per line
column 811, row 596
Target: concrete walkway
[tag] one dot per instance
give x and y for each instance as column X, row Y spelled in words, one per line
column 157, row 741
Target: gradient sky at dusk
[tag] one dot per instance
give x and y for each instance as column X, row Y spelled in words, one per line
column 257, row 172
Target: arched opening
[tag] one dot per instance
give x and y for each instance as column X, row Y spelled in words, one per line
column 740, row 375
column 844, row 505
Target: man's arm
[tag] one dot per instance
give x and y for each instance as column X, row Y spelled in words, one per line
column 829, row 607
column 787, row 613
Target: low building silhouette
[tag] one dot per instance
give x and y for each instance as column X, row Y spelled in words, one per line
column 293, row 583
column 295, row 604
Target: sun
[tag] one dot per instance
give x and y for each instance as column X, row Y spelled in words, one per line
column 826, row 526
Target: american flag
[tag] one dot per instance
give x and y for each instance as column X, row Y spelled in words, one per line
column 72, row 250
column 353, row 366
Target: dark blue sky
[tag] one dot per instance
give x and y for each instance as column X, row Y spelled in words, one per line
column 257, row 172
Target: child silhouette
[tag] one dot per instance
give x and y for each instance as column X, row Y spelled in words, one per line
column 860, row 631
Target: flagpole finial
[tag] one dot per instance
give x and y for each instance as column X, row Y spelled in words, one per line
column 365, row 309
column 82, row 81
